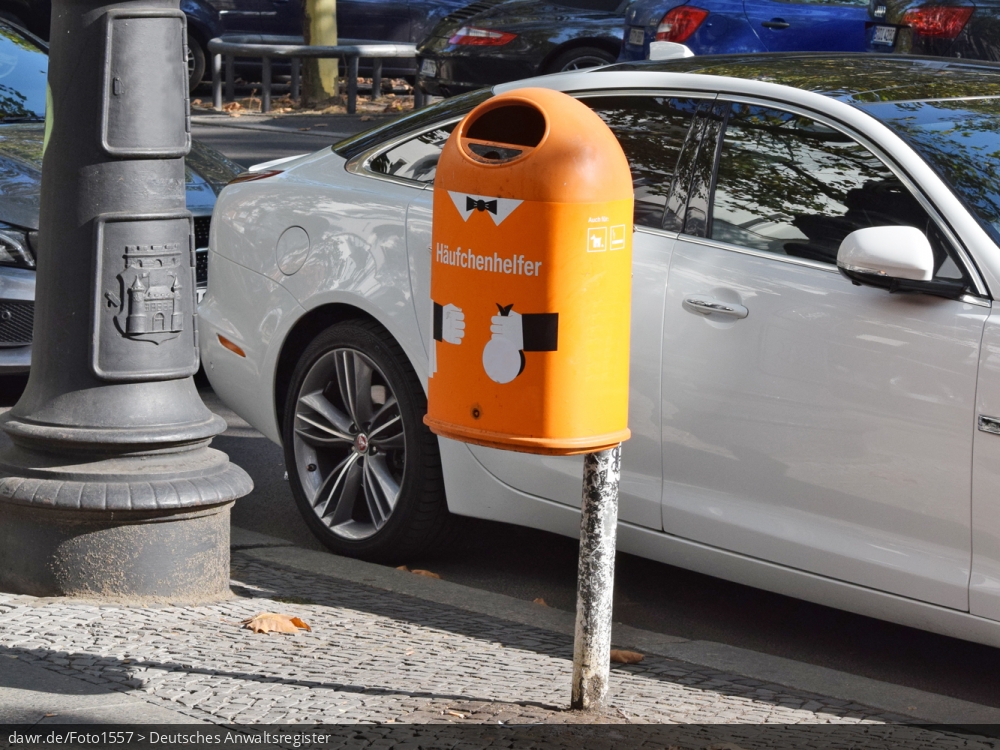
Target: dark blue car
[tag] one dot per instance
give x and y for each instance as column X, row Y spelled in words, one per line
column 710, row 27
column 381, row 20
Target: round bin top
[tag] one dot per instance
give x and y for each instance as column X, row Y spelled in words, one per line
column 535, row 144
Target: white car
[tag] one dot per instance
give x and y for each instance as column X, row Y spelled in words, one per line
column 831, row 438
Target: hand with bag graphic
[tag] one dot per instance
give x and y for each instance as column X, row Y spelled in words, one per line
column 448, row 326
column 513, row 335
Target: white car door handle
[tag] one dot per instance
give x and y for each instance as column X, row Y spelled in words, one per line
column 708, row 306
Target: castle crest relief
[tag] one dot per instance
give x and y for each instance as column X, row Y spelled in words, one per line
column 148, row 303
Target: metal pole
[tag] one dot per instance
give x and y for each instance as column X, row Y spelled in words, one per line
column 265, row 84
column 376, row 78
column 217, row 81
column 296, row 72
column 230, row 77
column 596, row 579
column 418, row 96
column 109, row 488
column 352, row 84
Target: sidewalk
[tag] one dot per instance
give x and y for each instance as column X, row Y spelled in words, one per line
column 391, row 647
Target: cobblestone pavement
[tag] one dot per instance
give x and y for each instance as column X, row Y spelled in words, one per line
column 380, row 657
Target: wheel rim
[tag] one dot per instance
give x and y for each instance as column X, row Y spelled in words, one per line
column 586, row 61
column 349, row 443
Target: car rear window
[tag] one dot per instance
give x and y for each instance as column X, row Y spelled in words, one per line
column 455, row 107
column 960, row 139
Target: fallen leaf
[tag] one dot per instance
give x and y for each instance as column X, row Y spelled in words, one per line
column 268, row 622
column 539, row 600
column 620, row 656
column 403, row 568
column 458, row 714
column 409, row 653
column 367, row 118
column 425, row 574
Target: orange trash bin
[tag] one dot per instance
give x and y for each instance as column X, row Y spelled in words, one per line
column 531, row 279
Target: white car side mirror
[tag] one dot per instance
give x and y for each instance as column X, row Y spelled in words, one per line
column 888, row 252
column 668, row 51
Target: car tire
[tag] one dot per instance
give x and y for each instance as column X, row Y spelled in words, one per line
column 579, row 58
column 196, row 62
column 354, row 437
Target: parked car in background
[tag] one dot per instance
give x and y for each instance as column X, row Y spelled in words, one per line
column 952, row 28
column 814, row 390
column 381, row 20
column 23, row 73
column 493, row 41
column 33, row 15
column 711, row 27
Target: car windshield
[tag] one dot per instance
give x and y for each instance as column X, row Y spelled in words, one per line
column 960, row 139
column 23, row 72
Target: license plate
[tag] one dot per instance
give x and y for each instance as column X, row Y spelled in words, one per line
column 884, row 35
column 637, row 36
column 429, row 68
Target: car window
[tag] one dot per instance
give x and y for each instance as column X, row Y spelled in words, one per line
column 23, row 72
column 414, row 159
column 651, row 131
column 789, row 185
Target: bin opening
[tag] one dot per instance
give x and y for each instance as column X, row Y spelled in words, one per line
column 494, row 152
column 499, row 131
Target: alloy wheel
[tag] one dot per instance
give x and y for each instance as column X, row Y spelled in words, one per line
column 349, row 444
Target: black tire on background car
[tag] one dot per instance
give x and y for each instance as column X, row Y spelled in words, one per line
column 364, row 469
column 196, row 61
column 579, row 58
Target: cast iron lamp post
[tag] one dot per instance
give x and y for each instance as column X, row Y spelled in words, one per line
column 110, row 488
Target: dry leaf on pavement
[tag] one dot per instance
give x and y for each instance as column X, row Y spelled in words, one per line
column 620, row 656
column 425, row 574
column 270, row 622
column 539, row 600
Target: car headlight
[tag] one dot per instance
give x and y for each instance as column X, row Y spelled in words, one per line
column 17, row 247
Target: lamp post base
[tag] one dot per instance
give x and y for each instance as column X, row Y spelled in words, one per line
column 179, row 555
column 136, row 527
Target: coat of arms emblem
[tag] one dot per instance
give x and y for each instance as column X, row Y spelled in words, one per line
column 148, row 303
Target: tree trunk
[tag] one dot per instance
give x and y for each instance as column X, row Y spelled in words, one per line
column 319, row 79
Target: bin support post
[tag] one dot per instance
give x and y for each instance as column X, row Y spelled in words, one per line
column 296, row 71
column 596, row 579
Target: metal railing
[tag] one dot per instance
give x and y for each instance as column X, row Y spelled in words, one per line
column 231, row 47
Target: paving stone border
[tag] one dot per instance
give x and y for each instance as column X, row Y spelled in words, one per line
column 372, row 656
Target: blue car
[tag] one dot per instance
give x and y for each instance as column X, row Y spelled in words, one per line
column 710, row 27
column 379, row 20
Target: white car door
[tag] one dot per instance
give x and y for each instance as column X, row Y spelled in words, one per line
column 807, row 421
column 651, row 130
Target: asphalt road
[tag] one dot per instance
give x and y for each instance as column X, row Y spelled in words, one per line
column 527, row 564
